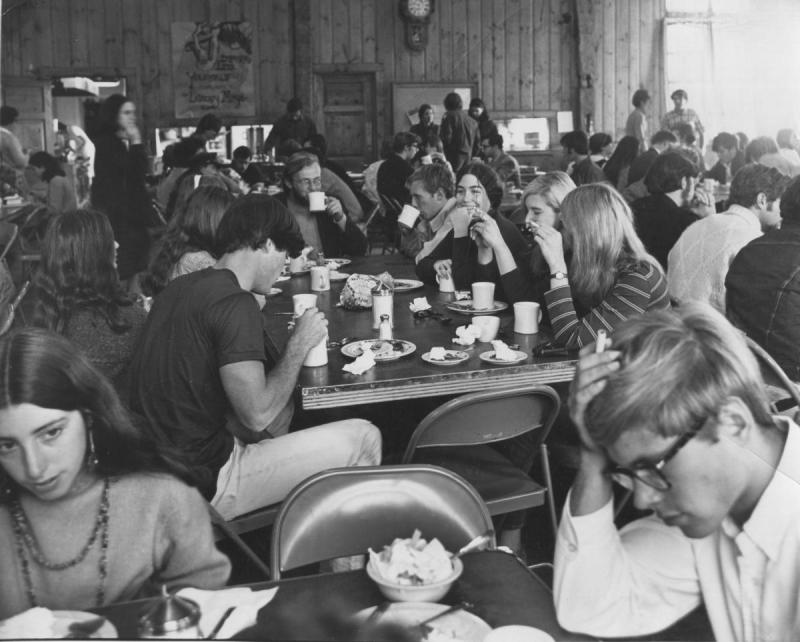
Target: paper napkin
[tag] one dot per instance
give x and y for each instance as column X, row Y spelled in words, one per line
column 437, row 354
column 419, row 304
column 213, row 605
column 502, row 352
column 466, row 335
column 363, row 362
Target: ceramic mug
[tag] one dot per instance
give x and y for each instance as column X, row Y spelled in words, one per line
column 320, row 278
column 482, row 295
column 489, row 327
column 316, row 201
column 408, row 216
column 446, row 283
column 527, row 315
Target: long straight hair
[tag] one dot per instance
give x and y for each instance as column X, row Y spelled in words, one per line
column 44, row 369
column 599, row 237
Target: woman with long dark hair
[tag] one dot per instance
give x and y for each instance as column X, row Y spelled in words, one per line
column 79, row 295
column 119, row 189
column 90, row 512
column 188, row 243
column 617, row 167
column 60, row 196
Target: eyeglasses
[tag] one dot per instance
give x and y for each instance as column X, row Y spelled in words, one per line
column 651, row 474
column 311, row 183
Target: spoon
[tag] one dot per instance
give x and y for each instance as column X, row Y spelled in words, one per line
column 475, row 544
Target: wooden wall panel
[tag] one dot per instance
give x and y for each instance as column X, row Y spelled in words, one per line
column 522, row 53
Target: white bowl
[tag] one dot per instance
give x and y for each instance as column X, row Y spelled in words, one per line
column 415, row 593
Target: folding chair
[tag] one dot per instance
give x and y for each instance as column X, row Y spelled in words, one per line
column 775, row 377
column 458, row 436
column 344, row 511
column 391, row 210
column 233, row 528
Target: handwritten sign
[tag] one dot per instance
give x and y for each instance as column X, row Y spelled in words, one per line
column 213, row 68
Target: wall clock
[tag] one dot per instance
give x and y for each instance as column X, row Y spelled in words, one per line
column 417, row 15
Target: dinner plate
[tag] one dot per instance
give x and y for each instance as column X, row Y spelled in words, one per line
column 459, row 625
column 404, row 285
column 382, row 349
column 488, row 357
column 338, row 276
column 64, row 618
column 337, row 263
column 465, row 307
column 452, row 358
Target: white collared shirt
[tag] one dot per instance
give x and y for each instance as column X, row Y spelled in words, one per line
column 648, row 575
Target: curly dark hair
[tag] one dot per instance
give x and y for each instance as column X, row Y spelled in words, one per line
column 44, row 369
column 78, row 272
column 492, row 183
column 193, row 229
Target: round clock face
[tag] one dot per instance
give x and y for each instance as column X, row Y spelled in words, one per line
column 419, row 8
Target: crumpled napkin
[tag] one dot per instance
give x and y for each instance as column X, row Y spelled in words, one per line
column 419, row 304
column 213, row 605
column 437, row 354
column 363, row 362
column 502, row 352
column 466, row 335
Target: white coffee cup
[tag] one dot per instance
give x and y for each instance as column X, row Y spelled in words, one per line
column 482, row 295
column 320, row 278
column 318, row 355
column 408, row 216
column 446, row 283
column 527, row 315
column 303, row 302
column 297, row 264
column 316, row 201
column 489, row 327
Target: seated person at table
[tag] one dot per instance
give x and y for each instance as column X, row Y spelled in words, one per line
column 60, row 196
column 393, row 173
column 609, row 277
column 677, row 412
column 90, row 513
column 730, row 159
column 334, row 186
column 202, row 379
column 188, row 245
column 78, row 294
column 661, row 217
column 330, row 231
column 464, row 253
column 542, row 198
column 318, row 145
column 619, row 164
column 242, row 165
column 587, row 170
column 659, row 143
column 699, row 261
column 431, row 188
column 293, row 125
column 763, row 286
column 505, row 165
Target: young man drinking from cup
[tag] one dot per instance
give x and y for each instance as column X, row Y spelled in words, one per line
column 676, row 411
column 431, row 188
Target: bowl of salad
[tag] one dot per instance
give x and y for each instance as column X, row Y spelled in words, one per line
column 414, row 569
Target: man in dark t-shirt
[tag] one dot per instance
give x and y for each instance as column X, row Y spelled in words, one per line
column 201, row 377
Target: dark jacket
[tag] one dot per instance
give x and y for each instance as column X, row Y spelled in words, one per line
column 641, row 165
column 763, row 294
column 458, row 132
column 718, row 171
column 392, row 176
column 587, row 171
column 336, row 242
column 659, row 223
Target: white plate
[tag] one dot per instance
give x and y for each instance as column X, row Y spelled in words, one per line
column 404, row 285
column 338, row 276
column 275, row 292
column 459, row 625
column 465, row 307
column 488, row 357
column 283, row 277
column 456, row 357
column 65, row 618
column 356, row 349
column 337, row 263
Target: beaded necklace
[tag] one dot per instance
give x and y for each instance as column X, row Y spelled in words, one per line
column 26, row 542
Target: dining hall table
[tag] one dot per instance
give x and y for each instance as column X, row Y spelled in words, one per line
column 500, row 589
column 329, row 386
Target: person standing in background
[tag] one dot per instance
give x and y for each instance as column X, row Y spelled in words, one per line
column 636, row 125
column 486, row 126
column 119, row 188
column 683, row 114
column 458, row 132
column 293, row 125
column 425, row 127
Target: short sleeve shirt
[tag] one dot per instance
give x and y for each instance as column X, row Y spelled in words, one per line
column 199, row 323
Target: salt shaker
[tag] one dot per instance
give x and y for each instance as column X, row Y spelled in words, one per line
column 385, row 328
column 382, row 303
column 171, row 617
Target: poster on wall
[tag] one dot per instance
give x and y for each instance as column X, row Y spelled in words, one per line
column 213, row 69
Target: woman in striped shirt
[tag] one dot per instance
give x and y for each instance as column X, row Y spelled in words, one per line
column 600, row 273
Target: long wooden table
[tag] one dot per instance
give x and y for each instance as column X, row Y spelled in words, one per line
column 500, row 588
column 410, row 377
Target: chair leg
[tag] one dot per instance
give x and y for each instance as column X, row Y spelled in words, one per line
column 219, row 521
column 551, row 501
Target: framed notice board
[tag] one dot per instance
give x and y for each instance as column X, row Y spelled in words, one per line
column 408, row 96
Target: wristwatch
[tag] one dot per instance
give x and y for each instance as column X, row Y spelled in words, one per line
column 558, row 275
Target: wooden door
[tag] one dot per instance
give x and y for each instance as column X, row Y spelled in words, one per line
column 347, row 117
column 33, row 99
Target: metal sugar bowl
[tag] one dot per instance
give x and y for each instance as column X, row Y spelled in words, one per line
column 170, row 617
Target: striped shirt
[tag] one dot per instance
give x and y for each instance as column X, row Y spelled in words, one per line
column 639, row 288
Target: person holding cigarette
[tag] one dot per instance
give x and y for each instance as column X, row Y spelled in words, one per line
column 600, row 272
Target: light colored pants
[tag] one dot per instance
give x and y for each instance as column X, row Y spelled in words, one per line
column 261, row 474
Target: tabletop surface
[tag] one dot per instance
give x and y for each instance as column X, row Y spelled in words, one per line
column 329, row 386
column 502, row 590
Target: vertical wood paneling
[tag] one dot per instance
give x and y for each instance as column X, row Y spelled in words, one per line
column 487, row 59
column 511, row 55
column 554, row 69
column 367, row 31
column 80, row 33
column 340, row 26
column 621, row 67
column 112, row 38
column 355, row 38
column 460, row 40
column 97, row 55
column 474, row 42
column 541, row 54
column 445, row 40
column 526, row 56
